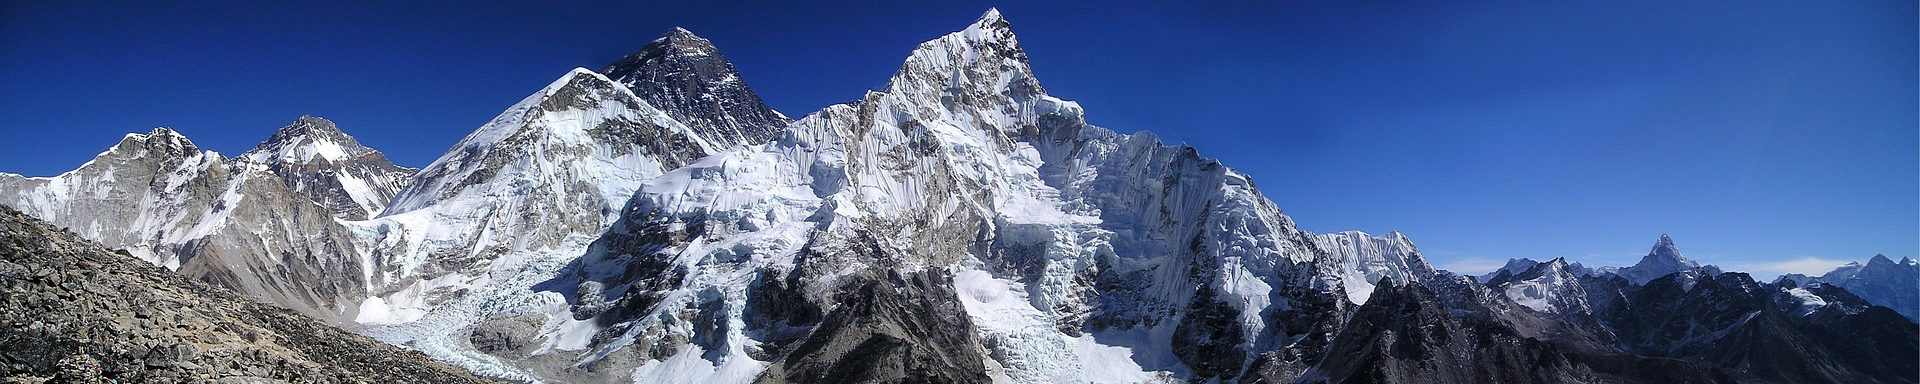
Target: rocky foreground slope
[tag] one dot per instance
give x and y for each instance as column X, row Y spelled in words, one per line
column 79, row 312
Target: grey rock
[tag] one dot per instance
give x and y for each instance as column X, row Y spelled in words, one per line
column 192, row 325
column 684, row 75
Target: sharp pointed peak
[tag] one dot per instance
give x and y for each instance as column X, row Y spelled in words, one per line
column 990, row 26
column 990, row 17
column 309, row 124
column 578, row 76
column 161, row 131
column 985, row 53
column 678, row 32
column 677, row 40
column 1665, row 248
column 163, row 139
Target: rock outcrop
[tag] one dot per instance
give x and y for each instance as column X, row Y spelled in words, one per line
column 78, row 312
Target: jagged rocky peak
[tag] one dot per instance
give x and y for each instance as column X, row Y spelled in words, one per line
column 311, row 138
column 1513, row 267
column 1664, row 259
column 983, row 61
column 1362, row 259
column 1665, row 252
column 160, row 140
column 684, row 75
column 1880, row 261
column 1549, row 287
column 314, row 157
column 1881, row 281
column 1764, row 333
column 121, row 195
column 159, row 145
column 583, row 126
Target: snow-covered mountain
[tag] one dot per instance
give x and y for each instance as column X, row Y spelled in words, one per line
column 658, row 223
column 1880, row 281
column 1362, row 260
column 1550, row 287
column 510, row 204
column 1073, row 250
column 516, row 200
column 148, row 189
column 1663, row 260
column 1519, row 265
column 316, row 159
column 235, row 222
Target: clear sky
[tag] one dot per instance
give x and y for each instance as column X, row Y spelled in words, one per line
column 1766, row 136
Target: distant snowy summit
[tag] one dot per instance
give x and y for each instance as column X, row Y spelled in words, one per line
column 1881, row 281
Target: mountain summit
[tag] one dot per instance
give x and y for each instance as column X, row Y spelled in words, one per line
column 684, row 75
column 312, row 156
column 1881, row 281
column 1664, row 259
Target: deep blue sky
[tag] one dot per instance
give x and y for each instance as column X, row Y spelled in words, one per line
column 1767, row 136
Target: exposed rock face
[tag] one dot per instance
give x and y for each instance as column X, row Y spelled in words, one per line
column 1405, row 334
column 75, row 311
column 231, row 222
column 1550, row 287
column 1363, row 259
column 1762, row 333
column 1881, row 281
column 314, row 158
column 1059, row 238
column 888, row 329
column 687, row 77
column 506, row 208
column 144, row 194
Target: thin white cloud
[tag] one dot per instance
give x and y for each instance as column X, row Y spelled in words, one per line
column 1766, row 270
column 1471, row 266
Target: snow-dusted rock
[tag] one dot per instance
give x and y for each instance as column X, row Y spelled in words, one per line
column 1880, row 281
column 1360, row 260
column 684, row 75
column 1663, row 260
column 232, row 222
column 313, row 157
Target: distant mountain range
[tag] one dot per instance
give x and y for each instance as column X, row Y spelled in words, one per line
column 655, row 221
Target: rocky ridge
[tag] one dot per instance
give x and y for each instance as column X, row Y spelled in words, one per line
column 79, row 312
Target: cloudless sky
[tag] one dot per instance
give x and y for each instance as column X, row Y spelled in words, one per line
column 1765, row 136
